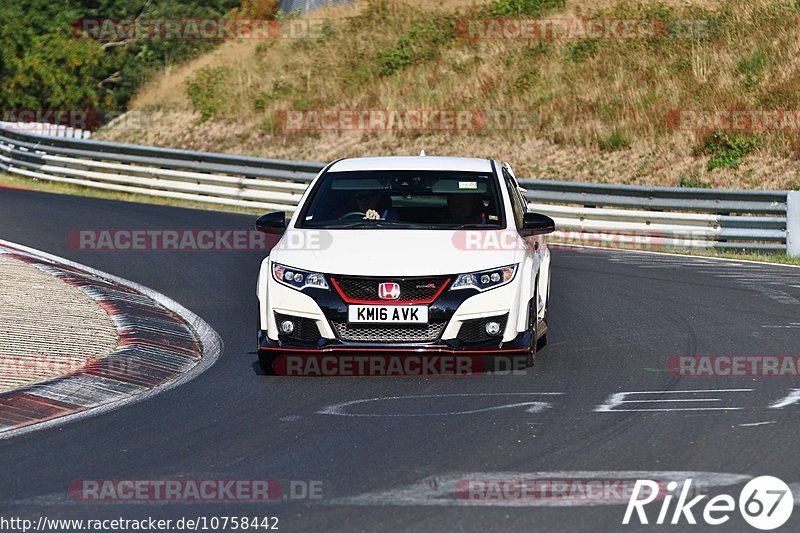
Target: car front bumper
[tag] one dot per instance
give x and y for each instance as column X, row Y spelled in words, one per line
column 452, row 309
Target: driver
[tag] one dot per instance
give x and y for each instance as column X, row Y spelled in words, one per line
column 464, row 209
column 376, row 205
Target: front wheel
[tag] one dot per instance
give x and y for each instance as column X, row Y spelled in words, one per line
column 532, row 323
column 542, row 342
column 265, row 361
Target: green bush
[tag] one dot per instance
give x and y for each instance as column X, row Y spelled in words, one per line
column 727, row 151
column 393, row 59
column 269, row 125
column 752, row 66
column 527, row 8
column 422, row 42
column 280, row 87
column 581, row 50
column 691, row 182
column 616, row 140
column 47, row 61
column 261, row 99
column 205, row 91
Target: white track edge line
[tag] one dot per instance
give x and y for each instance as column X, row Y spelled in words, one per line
column 668, row 254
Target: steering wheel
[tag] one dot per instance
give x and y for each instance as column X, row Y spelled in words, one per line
column 353, row 214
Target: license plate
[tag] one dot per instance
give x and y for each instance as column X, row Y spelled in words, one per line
column 388, row 314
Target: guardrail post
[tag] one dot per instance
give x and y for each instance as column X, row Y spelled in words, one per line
column 793, row 224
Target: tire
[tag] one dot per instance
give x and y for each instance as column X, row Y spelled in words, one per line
column 543, row 339
column 265, row 360
column 532, row 319
column 542, row 342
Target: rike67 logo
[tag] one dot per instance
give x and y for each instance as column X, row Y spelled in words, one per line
column 765, row 503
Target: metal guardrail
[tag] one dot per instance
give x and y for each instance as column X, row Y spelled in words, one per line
column 586, row 213
column 303, row 6
column 180, row 174
column 669, row 217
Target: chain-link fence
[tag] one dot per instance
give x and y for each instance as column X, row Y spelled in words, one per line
column 301, row 6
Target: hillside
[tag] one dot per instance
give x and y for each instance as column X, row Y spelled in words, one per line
column 48, row 63
column 596, row 109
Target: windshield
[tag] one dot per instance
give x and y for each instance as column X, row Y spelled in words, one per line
column 404, row 199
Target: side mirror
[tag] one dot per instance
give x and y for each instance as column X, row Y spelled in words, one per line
column 537, row 224
column 274, row 223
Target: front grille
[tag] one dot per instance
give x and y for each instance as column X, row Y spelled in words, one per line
column 389, row 333
column 411, row 289
column 474, row 331
column 305, row 329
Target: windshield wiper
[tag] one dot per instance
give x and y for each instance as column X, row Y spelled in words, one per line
column 474, row 226
column 404, row 225
column 374, row 224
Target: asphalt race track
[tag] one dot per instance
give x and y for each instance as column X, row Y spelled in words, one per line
column 616, row 318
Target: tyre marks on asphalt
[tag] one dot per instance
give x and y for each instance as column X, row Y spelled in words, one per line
column 442, row 404
column 656, row 401
column 792, row 325
column 85, row 390
column 791, row 398
column 762, row 278
column 531, row 489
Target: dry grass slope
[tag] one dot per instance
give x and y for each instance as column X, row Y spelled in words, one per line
column 596, row 109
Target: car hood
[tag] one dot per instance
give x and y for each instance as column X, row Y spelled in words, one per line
column 390, row 252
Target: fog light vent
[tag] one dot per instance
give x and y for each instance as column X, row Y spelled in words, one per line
column 493, row 329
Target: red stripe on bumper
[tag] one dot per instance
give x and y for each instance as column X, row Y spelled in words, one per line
column 410, row 350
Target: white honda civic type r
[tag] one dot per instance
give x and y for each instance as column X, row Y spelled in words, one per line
column 406, row 255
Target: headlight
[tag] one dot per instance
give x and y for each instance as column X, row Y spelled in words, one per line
column 298, row 279
column 486, row 279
